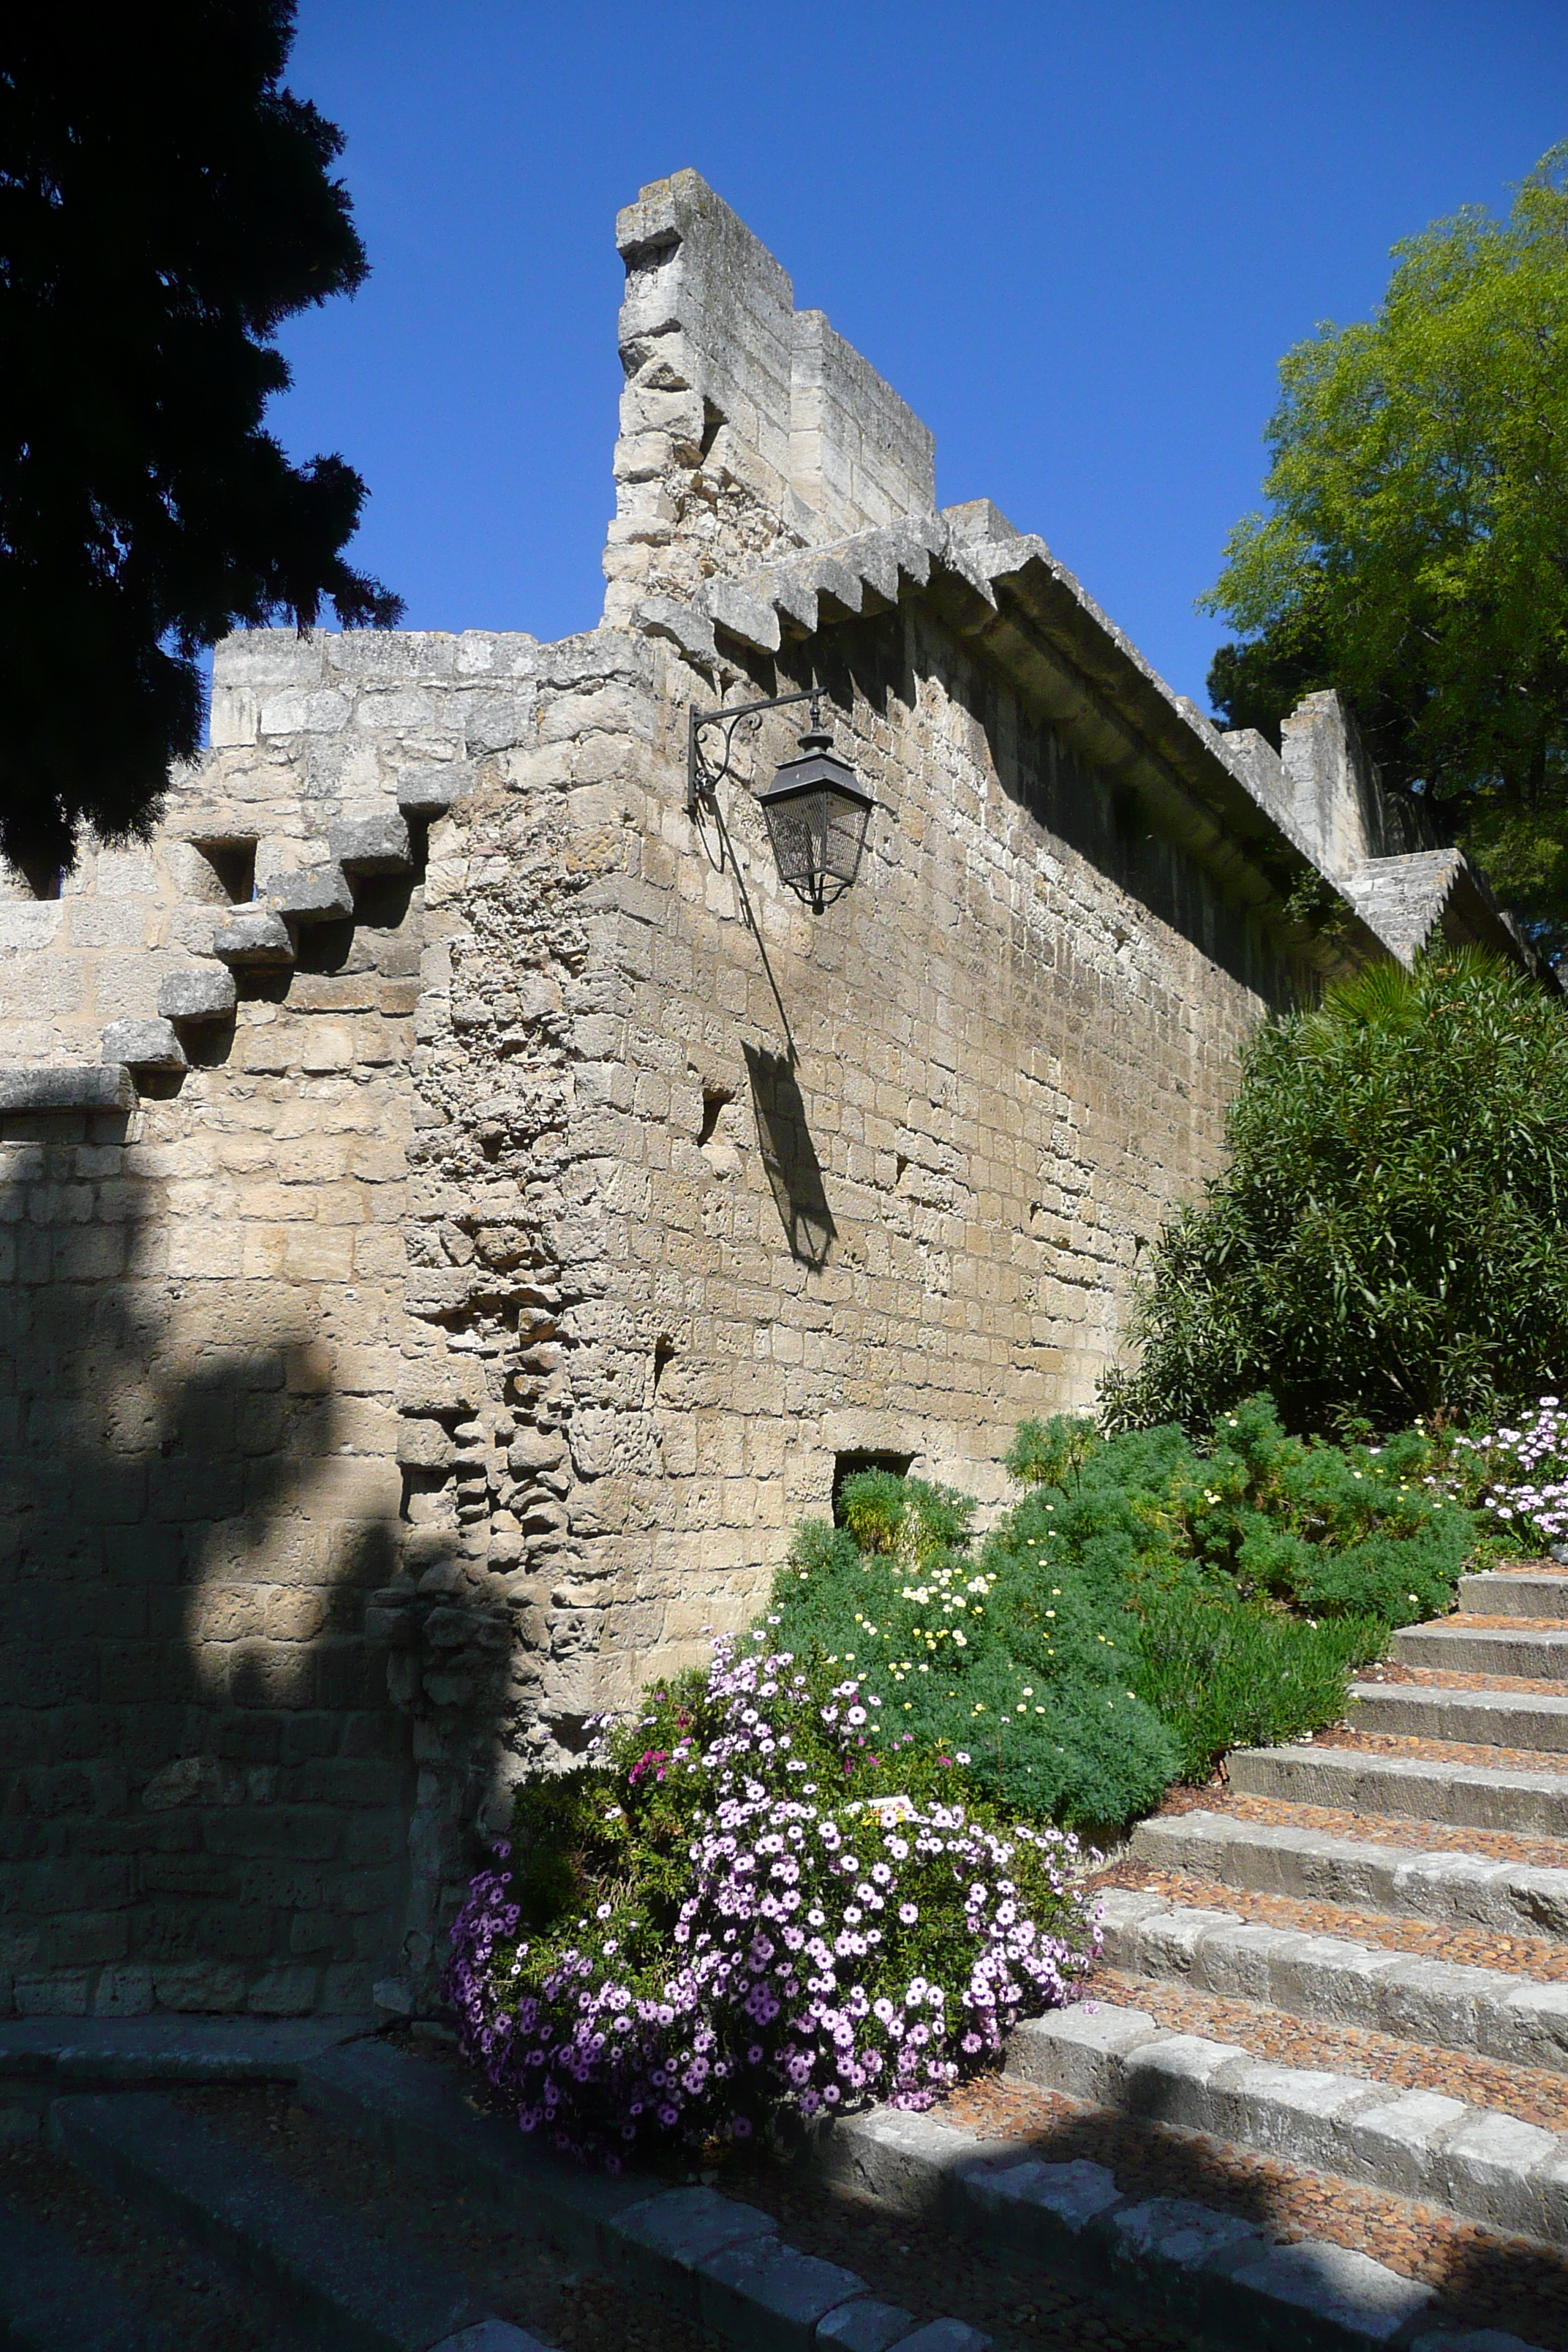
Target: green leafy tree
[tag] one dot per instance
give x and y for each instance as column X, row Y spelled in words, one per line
column 1390, row 1237
column 1415, row 553
column 164, row 205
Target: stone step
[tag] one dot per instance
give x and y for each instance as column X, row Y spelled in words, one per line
column 253, row 938
column 1528, row 1649
column 1467, row 1796
column 1194, row 2266
column 110, row 2052
column 717, row 2262
column 1492, row 2011
column 374, row 844
column 1453, row 1889
column 197, row 993
column 309, row 894
column 1481, row 2163
column 1484, row 1719
column 143, row 1045
column 56, row 2299
column 1532, row 1593
column 336, row 2286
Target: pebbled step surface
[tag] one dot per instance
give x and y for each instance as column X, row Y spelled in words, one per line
column 1540, row 1959
column 1294, row 1857
column 56, row 2299
column 1452, row 2006
column 343, row 2289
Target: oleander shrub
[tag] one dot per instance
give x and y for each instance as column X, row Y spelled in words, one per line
column 757, row 1895
column 1148, row 1604
column 1390, row 1237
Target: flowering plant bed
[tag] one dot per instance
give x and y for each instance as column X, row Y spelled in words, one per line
column 1517, row 1477
column 754, row 1897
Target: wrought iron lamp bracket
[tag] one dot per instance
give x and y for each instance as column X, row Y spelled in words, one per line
column 703, row 776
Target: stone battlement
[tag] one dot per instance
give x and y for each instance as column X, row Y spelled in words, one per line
column 746, row 426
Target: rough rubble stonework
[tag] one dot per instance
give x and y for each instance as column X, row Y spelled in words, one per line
column 456, row 1214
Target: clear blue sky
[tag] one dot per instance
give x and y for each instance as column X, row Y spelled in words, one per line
column 1075, row 237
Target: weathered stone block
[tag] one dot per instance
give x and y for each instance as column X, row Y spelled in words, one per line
column 143, row 1045
column 201, row 993
column 372, row 844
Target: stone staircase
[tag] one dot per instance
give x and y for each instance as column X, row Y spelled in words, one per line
column 295, row 884
column 1356, row 1960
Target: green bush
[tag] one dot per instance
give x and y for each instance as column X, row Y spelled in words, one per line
column 1147, row 1604
column 1388, row 1239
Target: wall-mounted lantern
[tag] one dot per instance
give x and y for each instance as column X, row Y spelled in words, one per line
column 814, row 810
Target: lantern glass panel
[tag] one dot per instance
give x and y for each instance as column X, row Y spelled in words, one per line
column 817, row 816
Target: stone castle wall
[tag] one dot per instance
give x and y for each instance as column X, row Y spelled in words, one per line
column 457, row 1212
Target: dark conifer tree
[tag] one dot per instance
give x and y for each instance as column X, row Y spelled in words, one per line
column 166, row 204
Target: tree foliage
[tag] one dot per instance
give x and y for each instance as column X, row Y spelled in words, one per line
column 1391, row 1235
column 164, row 205
column 1415, row 554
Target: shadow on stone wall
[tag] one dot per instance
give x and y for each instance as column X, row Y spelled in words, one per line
column 205, row 1790
column 1104, row 821
column 789, row 1157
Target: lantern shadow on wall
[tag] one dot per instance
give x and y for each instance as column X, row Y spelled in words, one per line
column 789, row 1157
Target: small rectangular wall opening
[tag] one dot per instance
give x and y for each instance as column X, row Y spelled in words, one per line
column 849, row 1465
column 234, row 862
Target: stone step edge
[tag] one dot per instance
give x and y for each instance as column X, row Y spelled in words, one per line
column 1227, row 2277
column 1417, row 1788
column 255, row 2222
column 715, row 2261
column 1477, row 2163
column 1538, row 1649
column 1537, row 1719
column 103, row 2054
column 1494, row 2013
column 1314, row 1865
column 1487, row 1592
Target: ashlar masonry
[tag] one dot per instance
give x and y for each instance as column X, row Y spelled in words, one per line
column 457, row 1213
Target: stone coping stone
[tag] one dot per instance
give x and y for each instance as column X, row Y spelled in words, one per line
column 716, row 2259
column 131, row 2051
column 1276, row 1858
column 53, row 2298
column 86, row 1086
column 341, row 2288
